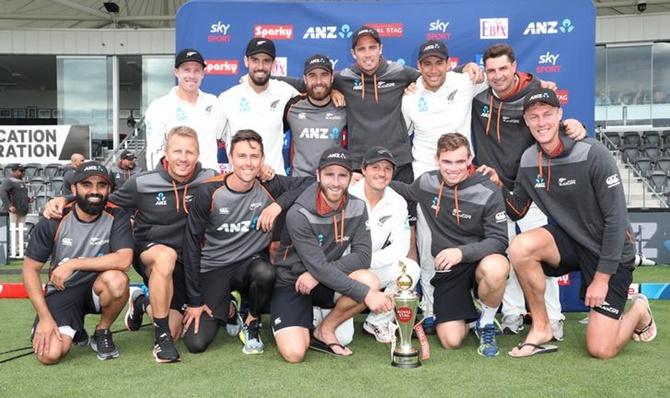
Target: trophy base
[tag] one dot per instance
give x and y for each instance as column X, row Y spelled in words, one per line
column 406, row 360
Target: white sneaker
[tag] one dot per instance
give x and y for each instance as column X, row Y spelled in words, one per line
column 512, row 324
column 380, row 332
column 557, row 329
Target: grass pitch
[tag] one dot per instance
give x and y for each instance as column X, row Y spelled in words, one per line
column 640, row 369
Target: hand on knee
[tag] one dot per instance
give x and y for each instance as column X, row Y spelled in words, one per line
column 49, row 358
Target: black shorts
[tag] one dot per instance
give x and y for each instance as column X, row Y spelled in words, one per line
column 575, row 257
column 217, row 284
column 179, row 299
column 405, row 173
column 290, row 308
column 453, row 294
column 68, row 307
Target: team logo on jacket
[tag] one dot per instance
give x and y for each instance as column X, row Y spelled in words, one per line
column 461, row 215
column 501, row 217
column 485, row 112
column 66, row 241
column 180, row 115
column 612, row 181
column 255, row 206
column 320, row 238
column 97, row 241
column 540, row 182
column 161, row 200
column 382, row 220
column 434, row 203
column 564, row 182
column 423, row 105
column 451, row 96
column 358, row 85
column 273, row 105
column 231, row 227
column 224, row 210
column 244, row 105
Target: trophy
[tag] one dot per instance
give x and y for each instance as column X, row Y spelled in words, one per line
column 406, row 304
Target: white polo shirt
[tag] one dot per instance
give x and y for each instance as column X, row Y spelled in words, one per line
column 170, row 111
column 432, row 114
column 389, row 226
column 240, row 107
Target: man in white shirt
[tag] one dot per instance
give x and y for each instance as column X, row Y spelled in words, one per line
column 258, row 103
column 441, row 104
column 389, row 230
column 184, row 105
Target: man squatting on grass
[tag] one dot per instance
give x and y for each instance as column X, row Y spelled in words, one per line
column 577, row 184
column 91, row 248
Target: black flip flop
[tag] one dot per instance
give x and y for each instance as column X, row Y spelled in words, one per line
column 318, row 345
column 537, row 349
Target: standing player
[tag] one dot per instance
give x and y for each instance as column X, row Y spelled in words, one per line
column 15, row 199
column 500, row 136
column 258, row 103
column 466, row 215
column 184, row 105
column 594, row 236
column 68, row 171
column 90, row 250
column 123, row 169
column 316, row 124
column 389, row 231
column 227, row 236
column 313, row 269
column 160, row 199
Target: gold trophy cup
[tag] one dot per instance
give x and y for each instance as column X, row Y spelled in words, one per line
column 406, row 304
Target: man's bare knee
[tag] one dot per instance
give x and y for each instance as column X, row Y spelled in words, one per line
column 115, row 283
column 494, row 269
column 366, row 277
column 521, row 248
column 49, row 358
column 293, row 354
column 450, row 342
column 601, row 351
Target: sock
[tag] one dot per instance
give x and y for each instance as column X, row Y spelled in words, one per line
column 488, row 314
column 161, row 326
column 143, row 302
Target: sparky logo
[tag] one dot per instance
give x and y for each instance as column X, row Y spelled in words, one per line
column 274, row 32
column 485, row 112
column 221, row 67
column 218, row 33
column 161, row 200
column 540, row 182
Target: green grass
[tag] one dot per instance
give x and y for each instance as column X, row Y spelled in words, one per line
column 225, row 371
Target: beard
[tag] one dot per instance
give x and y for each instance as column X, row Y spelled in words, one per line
column 93, row 209
column 259, row 81
column 311, row 92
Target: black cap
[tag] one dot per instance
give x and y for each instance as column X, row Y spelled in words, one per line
column 318, row 61
column 127, row 155
column 362, row 31
column 433, row 48
column 543, row 95
column 18, row 166
column 259, row 45
column 189, row 55
column 89, row 169
column 377, row 154
column 335, row 156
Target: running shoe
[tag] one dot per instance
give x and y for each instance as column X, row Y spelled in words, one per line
column 488, row 347
column 165, row 350
column 234, row 323
column 102, row 343
column 135, row 313
column 250, row 336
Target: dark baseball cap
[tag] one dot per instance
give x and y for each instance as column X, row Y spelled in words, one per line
column 433, row 48
column 127, row 155
column 189, row 55
column 335, row 156
column 362, row 31
column 377, row 154
column 543, row 95
column 259, row 45
column 89, row 169
column 318, row 61
column 18, row 166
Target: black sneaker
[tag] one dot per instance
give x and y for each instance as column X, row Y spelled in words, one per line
column 81, row 338
column 102, row 343
column 165, row 350
column 134, row 315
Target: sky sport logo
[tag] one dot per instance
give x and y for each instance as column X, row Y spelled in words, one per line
column 437, row 30
column 274, row 32
column 219, row 33
column 547, row 63
column 493, row 28
column 221, row 67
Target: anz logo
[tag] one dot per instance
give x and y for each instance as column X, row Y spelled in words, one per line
column 243, row 226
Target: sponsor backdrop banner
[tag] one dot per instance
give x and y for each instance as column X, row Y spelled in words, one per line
column 553, row 40
column 43, row 144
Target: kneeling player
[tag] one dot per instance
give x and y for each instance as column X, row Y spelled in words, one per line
column 90, row 250
column 466, row 215
column 313, row 269
column 227, row 234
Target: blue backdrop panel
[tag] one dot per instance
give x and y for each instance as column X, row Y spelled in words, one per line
column 555, row 40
